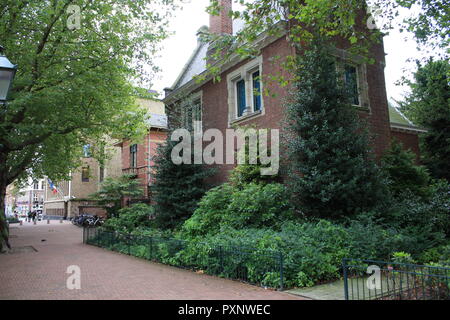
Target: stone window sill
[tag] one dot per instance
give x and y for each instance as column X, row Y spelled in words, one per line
column 246, row 117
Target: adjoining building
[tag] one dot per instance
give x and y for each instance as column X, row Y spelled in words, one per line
column 138, row 158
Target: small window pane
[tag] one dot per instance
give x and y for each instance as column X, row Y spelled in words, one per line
column 240, row 92
column 133, row 156
column 256, row 91
column 351, row 82
column 85, row 174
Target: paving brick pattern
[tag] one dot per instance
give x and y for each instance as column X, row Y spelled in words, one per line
column 104, row 274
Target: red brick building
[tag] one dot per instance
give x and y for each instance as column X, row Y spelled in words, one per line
column 232, row 101
column 138, row 158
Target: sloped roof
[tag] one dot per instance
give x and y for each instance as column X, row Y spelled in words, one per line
column 400, row 122
column 396, row 116
column 196, row 64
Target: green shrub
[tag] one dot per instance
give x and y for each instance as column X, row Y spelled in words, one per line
column 254, row 206
column 130, row 218
column 212, row 207
column 440, row 254
column 402, row 257
column 404, row 174
column 312, row 251
column 258, row 206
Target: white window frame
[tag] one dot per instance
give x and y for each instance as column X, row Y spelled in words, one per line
column 253, row 90
column 245, row 73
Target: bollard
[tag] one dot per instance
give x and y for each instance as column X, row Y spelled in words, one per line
column 34, row 222
column 21, row 222
column 60, row 221
column 48, row 221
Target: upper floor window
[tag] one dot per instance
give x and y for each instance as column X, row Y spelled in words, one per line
column 351, row 83
column 192, row 113
column 85, row 173
column 241, row 97
column 257, row 99
column 353, row 72
column 244, row 91
column 133, row 155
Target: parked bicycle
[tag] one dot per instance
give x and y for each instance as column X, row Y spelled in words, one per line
column 87, row 220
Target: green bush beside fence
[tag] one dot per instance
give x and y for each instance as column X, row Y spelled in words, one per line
column 257, row 266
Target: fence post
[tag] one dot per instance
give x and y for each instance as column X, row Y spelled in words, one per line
column 222, row 269
column 84, row 236
column 151, row 248
column 281, row 272
column 344, row 267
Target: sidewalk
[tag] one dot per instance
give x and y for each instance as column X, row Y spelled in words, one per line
column 38, row 271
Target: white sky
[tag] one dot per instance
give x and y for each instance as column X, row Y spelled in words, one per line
column 178, row 48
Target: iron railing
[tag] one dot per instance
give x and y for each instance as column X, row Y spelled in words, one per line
column 256, row 266
column 381, row 280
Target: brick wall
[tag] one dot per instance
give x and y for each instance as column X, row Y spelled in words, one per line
column 215, row 99
column 222, row 23
column 410, row 141
column 146, row 151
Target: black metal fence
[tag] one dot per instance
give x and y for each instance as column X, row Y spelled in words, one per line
column 381, row 280
column 257, row 266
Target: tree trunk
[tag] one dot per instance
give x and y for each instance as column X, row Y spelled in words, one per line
column 4, row 230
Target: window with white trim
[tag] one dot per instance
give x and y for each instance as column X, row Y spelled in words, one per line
column 245, row 91
column 353, row 72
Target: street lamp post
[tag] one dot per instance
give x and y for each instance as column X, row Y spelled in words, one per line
column 7, row 73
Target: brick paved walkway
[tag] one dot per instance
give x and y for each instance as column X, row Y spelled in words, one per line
column 104, row 274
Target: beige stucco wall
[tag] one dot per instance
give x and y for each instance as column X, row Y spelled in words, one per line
column 152, row 106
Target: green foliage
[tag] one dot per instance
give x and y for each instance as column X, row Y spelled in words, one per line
column 428, row 105
column 330, row 167
column 402, row 257
column 177, row 188
column 128, row 219
column 439, row 254
column 247, row 173
column 404, row 174
column 253, row 206
column 427, row 221
column 73, row 85
column 114, row 190
column 312, row 252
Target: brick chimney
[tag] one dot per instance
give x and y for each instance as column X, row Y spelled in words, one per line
column 222, row 23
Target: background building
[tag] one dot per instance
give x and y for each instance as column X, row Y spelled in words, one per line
column 26, row 198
